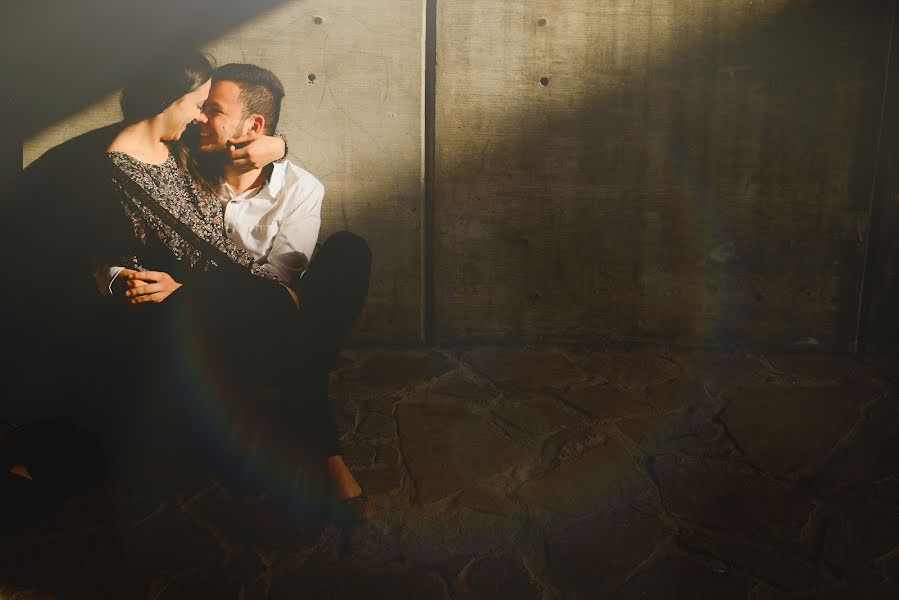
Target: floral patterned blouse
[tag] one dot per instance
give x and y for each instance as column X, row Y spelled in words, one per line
column 153, row 244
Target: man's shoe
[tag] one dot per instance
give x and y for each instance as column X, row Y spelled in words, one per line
column 351, row 513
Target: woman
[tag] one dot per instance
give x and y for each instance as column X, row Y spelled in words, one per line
column 174, row 224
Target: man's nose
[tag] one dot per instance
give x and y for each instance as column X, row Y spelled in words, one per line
column 201, row 118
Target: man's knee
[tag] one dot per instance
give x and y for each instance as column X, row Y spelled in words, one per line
column 349, row 247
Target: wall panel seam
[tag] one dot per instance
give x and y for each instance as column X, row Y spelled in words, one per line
column 875, row 197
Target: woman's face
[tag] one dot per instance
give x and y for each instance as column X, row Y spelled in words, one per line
column 184, row 111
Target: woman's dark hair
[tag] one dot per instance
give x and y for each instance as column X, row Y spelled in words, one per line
column 154, row 88
column 164, row 81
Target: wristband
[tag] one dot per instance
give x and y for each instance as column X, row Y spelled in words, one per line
column 283, row 137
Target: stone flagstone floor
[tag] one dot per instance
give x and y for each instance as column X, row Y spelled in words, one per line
column 549, row 472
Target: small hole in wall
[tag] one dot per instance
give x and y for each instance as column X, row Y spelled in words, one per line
column 541, row 22
column 310, row 78
column 544, row 81
column 318, row 20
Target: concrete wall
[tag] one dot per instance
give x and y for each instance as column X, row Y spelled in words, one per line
column 696, row 171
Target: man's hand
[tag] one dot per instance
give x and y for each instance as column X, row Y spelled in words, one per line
column 253, row 151
column 148, row 286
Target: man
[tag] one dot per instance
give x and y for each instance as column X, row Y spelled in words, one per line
column 272, row 212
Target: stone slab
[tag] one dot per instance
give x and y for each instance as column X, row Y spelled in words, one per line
column 319, row 577
column 857, row 533
column 535, row 415
column 871, row 455
column 523, row 368
column 606, row 477
column 686, row 577
column 722, row 371
column 606, row 402
column 676, row 393
column 383, row 372
column 633, row 370
column 772, row 564
column 684, row 429
column 593, row 556
column 793, row 430
column 447, row 447
column 816, row 369
column 730, row 497
column 497, row 577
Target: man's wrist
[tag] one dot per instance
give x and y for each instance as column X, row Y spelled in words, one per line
column 283, row 137
column 119, row 285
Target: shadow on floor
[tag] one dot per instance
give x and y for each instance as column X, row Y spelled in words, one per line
column 525, row 473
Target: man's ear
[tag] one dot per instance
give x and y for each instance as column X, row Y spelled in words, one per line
column 256, row 124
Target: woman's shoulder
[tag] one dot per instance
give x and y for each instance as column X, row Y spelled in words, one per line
column 126, row 148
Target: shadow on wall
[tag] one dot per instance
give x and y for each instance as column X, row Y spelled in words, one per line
column 59, row 56
column 696, row 173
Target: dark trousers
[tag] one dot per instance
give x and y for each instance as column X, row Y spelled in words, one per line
column 256, row 339
column 227, row 361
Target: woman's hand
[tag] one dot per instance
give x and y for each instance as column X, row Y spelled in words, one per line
column 253, row 151
column 149, row 286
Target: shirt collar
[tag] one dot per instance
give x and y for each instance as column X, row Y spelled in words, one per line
column 269, row 188
column 275, row 180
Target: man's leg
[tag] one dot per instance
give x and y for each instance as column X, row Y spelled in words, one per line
column 331, row 295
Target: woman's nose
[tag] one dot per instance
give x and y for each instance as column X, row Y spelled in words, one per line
column 201, row 118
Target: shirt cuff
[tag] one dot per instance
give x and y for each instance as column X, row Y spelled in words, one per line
column 105, row 279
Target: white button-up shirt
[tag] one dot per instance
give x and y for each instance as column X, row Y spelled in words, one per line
column 277, row 222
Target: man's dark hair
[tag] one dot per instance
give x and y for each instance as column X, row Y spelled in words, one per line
column 260, row 91
column 162, row 82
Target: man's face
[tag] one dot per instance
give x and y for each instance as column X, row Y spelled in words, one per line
column 224, row 113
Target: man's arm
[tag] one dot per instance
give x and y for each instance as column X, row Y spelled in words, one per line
column 292, row 246
column 252, row 151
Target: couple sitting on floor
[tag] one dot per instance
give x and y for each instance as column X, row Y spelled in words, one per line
column 204, row 255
